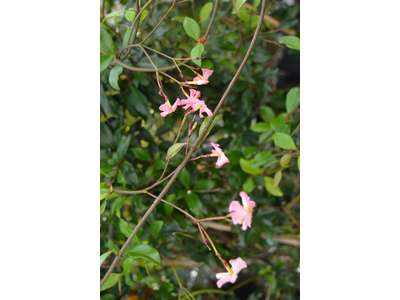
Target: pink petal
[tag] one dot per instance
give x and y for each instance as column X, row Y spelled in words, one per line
column 224, row 278
column 208, row 111
column 247, row 203
column 222, row 160
column 207, row 73
column 213, row 151
column 196, row 79
column 177, row 102
column 247, row 221
column 238, row 264
column 216, row 146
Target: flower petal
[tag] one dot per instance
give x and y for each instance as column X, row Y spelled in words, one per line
column 247, row 203
column 238, row 264
column 223, row 278
column 207, row 73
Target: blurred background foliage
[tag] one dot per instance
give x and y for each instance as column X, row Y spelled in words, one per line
column 135, row 139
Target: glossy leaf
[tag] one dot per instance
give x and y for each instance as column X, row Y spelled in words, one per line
column 106, row 42
column 261, row 158
column 205, row 121
column 283, row 140
column 291, row 42
column 285, row 159
column 278, row 121
column 155, row 227
column 105, row 61
column 168, row 208
column 196, row 52
column 267, row 114
column 239, row 4
column 248, row 186
column 192, row 28
column 260, row 127
column 123, row 146
column 115, row 13
column 277, row 178
column 146, row 252
column 205, row 11
column 114, row 76
column 184, row 178
column 292, row 99
column 143, row 15
column 247, row 166
column 269, row 185
column 204, row 184
column 130, row 15
column 141, row 154
column 110, row 282
column 174, row 149
column 194, row 203
column 104, row 256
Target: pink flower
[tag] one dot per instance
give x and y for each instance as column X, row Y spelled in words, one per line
column 202, row 80
column 195, row 104
column 237, row 265
column 222, row 159
column 167, row 109
column 242, row 214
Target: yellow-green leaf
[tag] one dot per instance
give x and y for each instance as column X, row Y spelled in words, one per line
column 247, row 166
column 269, row 185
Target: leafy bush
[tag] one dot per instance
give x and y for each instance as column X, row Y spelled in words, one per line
column 173, row 255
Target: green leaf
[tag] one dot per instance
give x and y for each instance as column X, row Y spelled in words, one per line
column 180, row 19
column 292, row 99
column 114, row 76
column 104, row 256
column 194, row 203
column 239, row 4
column 155, row 227
column 143, row 16
column 248, row 186
column 277, row 178
column 105, row 61
column 267, row 114
column 125, row 41
column 247, row 166
column 139, row 101
column 110, row 282
column 204, row 185
column 106, row 43
column 291, row 42
column 244, row 15
column 146, row 252
column 298, row 162
column 261, row 158
column 283, row 140
column 124, row 228
column 260, row 127
column 168, row 208
column 192, row 28
column 278, row 121
column 184, row 178
column 196, row 52
column 103, row 193
column 205, row 11
column 203, row 125
column 103, row 206
column 174, row 149
column 115, row 13
column 141, row 154
column 269, row 185
column 130, row 15
column 123, row 146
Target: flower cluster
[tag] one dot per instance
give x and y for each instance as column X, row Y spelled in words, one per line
column 240, row 214
column 192, row 102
